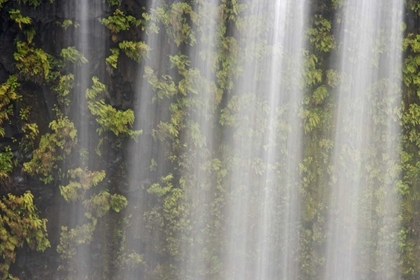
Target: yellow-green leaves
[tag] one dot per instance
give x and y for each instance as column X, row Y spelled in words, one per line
column 134, row 50
column 412, row 62
column 67, row 23
column 19, row 224
column 71, row 54
column 8, row 94
column 110, row 119
column 413, row 5
column 175, row 19
column 32, row 62
column 71, row 239
column 99, row 205
column 320, row 34
column 63, row 88
column 96, row 89
column 319, row 95
column 119, row 22
column 313, row 75
column 6, row 163
column 164, row 87
column 19, row 18
column 113, row 58
column 33, row 3
column 53, row 147
column 80, row 182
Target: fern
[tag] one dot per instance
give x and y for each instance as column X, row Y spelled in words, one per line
column 8, row 94
column 19, row 18
column 135, row 50
column 71, row 54
column 109, row 118
column 19, row 225
column 33, row 63
column 113, row 58
column 119, row 22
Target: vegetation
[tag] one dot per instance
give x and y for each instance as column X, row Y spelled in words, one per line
column 42, row 136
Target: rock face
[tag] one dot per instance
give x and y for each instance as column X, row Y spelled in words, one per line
column 38, row 94
column 87, row 210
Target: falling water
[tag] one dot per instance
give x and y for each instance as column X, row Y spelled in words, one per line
column 387, row 248
column 82, row 81
column 200, row 123
column 264, row 213
column 260, row 231
column 356, row 195
column 88, row 40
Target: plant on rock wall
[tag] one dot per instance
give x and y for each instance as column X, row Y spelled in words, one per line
column 96, row 206
column 63, row 88
column 33, row 63
column 120, row 22
column 413, row 5
column 34, row 3
column 6, row 163
column 17, row 17
column 110, row 119
column 71, row 54
column 76, row 189
column 175, row 20
column 166, row 217
column 113, row 58
column 113, row 2
column 2, row 3
column 53, row 147
column 19, row 225
column 67, row 23
column 8, row 95
column 135, row 50
column 320, row 34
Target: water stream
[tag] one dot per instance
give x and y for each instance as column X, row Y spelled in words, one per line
column 241, row 148
column 359, row 142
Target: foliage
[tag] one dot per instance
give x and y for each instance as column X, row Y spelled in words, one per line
column 109, row 118
column 8, row 95
column 64, row 88
column 113, row 2
column 198, row 103
column 2, row 3
column 96, row 206
column 67, row 23
column 53, row 147
column 33, row 63
column 34, row 3
column 19, row 225
column 120, row 22
column 71, row 54
column 6, row 163
column 85, row 180
column 175, row 20
column 134, row 50
column 166, row 216
column 19, row 18
column 70, row 239
column 113, row 58
column 320, row 35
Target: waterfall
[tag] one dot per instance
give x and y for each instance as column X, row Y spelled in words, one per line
column 87, row 39
column 201, row 140
column 360, row 138
column 215, row 184
column 82, row 262
column 263, row 208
